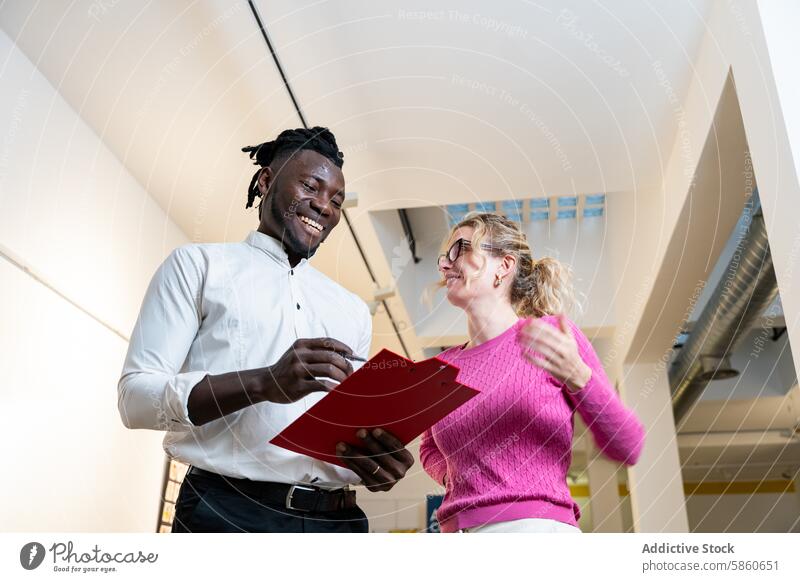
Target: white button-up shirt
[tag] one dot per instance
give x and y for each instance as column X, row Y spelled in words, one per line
column 216, row 308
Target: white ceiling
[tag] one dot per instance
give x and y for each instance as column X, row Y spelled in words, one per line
column 463, row 102
column 467, row 102
column 449, row 109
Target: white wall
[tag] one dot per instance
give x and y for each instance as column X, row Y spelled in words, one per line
column 747, row 513
column 73, row 214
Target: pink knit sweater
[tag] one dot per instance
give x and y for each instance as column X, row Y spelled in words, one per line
column 506, row 452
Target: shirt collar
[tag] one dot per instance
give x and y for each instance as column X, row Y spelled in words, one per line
column 272, row 247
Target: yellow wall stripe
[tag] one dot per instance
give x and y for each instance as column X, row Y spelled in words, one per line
column 712, row 488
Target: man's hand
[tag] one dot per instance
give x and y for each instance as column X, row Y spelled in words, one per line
column 293, row 376
column 290, row 379
column 382, row 462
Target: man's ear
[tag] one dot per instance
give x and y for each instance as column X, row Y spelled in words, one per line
column 265, row 178
column 264, row 183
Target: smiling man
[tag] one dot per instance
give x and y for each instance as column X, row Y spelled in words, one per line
column 234, row 341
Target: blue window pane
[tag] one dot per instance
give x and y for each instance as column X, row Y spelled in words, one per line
column 540, row 203
column 456, row 213
column 485, row 206
column 509, row 206
column 515, row 216
column 567, row 200
column 596, row 199
column 458, row 208
column 540, row 215
column 591, row 212
column 566, row 213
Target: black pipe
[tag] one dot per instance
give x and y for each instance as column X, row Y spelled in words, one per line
column 409, row 234
column 277, row 63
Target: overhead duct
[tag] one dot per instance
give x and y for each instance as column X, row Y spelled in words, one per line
column 746, row 289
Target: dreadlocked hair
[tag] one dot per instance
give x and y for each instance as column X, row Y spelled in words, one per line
column 290, row 141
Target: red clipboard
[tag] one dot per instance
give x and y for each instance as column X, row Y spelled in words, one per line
column 388, row 391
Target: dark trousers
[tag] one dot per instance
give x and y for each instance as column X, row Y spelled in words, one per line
column 205, row 506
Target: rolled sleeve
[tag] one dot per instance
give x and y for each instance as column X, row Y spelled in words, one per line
column 153, row 390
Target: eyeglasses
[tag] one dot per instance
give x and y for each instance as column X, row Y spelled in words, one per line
column 455, row 249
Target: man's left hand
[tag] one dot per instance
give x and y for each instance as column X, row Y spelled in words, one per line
column 381, row 463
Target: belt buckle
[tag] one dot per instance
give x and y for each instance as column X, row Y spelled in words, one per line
column 291, row 493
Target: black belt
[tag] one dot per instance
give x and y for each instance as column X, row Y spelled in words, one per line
column 297, row 497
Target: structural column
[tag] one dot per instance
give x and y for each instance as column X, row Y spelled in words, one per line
column 655, row 482
column 604, row 498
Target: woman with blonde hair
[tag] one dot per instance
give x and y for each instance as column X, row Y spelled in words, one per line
column 503, row 456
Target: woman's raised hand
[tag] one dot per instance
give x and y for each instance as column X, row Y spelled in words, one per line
column 556, row 351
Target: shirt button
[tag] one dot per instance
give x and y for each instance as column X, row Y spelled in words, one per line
column 298, row 306
column 291, row 272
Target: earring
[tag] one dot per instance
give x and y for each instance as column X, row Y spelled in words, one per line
column 497, row 280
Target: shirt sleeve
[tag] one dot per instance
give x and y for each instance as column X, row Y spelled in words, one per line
column 152, row 393
column 617, row 431
column 431, row 457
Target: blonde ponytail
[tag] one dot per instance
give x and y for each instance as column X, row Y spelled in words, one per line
column 545, row 289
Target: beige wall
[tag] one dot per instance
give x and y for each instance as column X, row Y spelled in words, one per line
column 74, row 216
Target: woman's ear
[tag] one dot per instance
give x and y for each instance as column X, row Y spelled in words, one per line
column 507, row 265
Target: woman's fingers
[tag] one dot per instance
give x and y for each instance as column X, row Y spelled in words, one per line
column 545, row 349
column 543, row 364
column 547, row 335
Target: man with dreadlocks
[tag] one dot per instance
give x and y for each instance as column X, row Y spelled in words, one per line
column 234, row 341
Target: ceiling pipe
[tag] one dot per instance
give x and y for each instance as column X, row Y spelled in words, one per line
column 746, row 289
column 299, row 112
column 409, row 234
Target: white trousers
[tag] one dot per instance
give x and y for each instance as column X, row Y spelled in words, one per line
column 525, row 525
